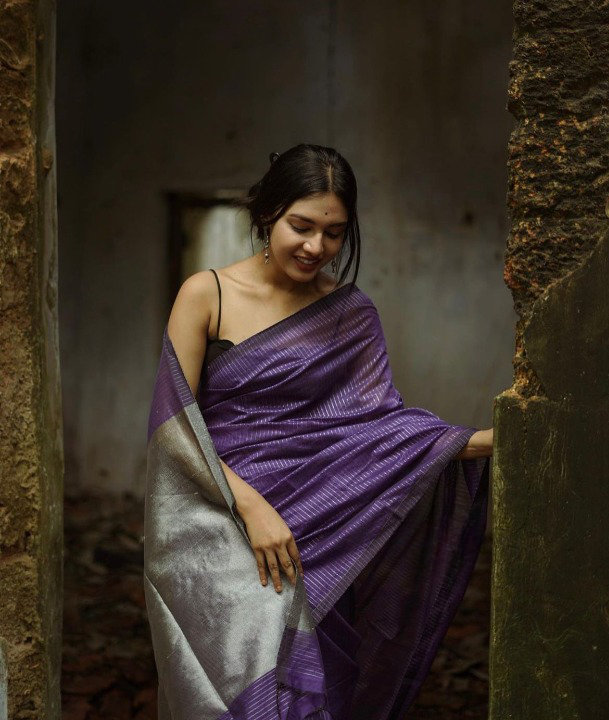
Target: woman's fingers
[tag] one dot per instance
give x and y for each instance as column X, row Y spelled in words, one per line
column 295, row 555
column 286, row 564
column 277, row 558
column 261, row 562
column 271, row 559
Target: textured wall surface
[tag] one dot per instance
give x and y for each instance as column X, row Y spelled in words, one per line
column 550, row 615
column 193, row 96
column 31, row 470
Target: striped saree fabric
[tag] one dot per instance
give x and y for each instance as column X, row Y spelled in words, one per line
column 387, row 521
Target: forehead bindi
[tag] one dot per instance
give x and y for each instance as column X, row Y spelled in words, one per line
column 323, row 209
column 313, row 220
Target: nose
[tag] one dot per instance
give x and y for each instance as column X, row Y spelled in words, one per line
column 314, row 244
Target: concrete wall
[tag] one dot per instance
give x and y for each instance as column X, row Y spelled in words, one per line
column 550, row 609
column 193, row 96
column 31, row 472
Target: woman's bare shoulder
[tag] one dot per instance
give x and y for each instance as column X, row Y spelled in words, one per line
column 200, row 281
column 195, row 298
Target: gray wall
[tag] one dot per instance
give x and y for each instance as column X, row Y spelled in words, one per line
column 193, row 96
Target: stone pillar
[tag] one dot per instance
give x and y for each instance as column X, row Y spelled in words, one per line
column 550, row 594
column 31, row 465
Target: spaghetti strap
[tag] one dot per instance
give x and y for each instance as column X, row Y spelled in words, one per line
column 219, row 302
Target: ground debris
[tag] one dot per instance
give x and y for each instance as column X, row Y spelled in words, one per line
column 108, row 668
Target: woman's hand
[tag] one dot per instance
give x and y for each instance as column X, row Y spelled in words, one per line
column 270, row 537
column 272, row 541
column 480, row 444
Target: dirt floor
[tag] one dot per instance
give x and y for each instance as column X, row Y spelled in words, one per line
column 108, row 667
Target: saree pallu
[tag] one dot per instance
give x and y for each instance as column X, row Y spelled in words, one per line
column 387, row 522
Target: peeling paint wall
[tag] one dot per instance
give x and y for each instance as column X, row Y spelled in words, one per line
column 550, row 595
column 31, row 471
column 194, row 96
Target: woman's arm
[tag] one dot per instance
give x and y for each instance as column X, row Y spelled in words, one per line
column 188, row 326
column 269, row 535
column 188, row 329
column 480, row 444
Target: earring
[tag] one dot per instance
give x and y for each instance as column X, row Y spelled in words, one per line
column 267, row 240
column 334, row 268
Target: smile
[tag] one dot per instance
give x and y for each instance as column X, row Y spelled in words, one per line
column 306, row 261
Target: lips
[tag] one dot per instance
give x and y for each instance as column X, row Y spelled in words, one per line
column 306, row 266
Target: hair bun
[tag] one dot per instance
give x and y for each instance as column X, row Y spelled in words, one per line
column 273, row 156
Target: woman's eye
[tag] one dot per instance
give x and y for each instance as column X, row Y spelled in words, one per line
column 334, row 236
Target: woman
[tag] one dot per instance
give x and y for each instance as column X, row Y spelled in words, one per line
column 280, row 449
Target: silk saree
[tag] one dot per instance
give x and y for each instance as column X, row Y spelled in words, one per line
column 387, row 521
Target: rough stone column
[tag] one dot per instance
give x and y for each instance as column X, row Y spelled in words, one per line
column 31, row 467
column 550, row 605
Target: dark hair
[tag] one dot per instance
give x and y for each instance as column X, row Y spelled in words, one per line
column 300, row 172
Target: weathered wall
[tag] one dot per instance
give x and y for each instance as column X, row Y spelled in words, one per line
column 550, row 636
column 193, row 96
column 30, row 413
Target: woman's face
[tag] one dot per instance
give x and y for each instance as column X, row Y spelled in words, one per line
column 312, row 229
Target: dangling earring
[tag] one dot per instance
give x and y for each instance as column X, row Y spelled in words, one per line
column 267, row 240
column 334, row 268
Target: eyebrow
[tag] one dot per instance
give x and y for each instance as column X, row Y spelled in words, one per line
column 306, row 219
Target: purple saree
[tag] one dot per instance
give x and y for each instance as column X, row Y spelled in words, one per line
column 387, row 522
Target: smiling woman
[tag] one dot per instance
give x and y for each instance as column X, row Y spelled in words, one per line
column 289, row 454
column 307, row 202
column 330, row 205
column 311, row 240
